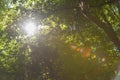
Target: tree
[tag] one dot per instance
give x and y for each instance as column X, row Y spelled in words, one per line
column 77, row 34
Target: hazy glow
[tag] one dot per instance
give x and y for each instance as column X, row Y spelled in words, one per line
column 117, row 76
column 30, row 28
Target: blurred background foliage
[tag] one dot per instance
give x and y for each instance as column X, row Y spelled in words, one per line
column 80, row 40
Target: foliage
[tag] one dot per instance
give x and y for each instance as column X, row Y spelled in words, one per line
column 80, row 40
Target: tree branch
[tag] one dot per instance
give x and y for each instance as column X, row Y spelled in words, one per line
column 108, row 29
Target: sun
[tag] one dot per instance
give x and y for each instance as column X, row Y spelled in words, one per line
column 30, row 28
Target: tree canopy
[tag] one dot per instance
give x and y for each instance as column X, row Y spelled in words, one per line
column 73, row 39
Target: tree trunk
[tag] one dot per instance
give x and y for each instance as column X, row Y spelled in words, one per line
column 108, row 29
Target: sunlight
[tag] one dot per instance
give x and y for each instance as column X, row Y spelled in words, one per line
column 30, row 28
column 117, row 76
column 117, row 73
